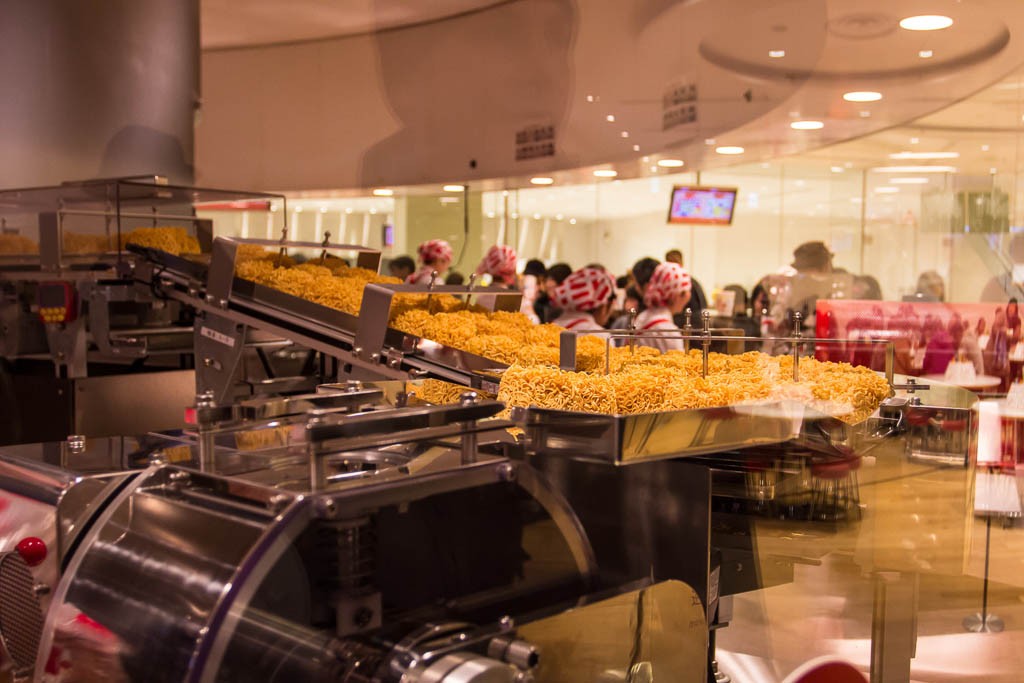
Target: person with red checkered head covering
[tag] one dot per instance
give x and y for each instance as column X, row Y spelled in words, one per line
column 586, row 299
column 434, row 255
column 500, row 264
column 666, row 294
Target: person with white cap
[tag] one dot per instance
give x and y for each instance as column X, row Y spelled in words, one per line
column 666, row 294
column 500, row 263
column 435, row 255
column 586, row 298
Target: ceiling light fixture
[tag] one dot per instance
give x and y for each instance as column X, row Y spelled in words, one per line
column 862, row 96
column 925, row 155
column 709, row 141
column 837, row 169
column 670, row 163
column 383, row 192
column 909, row 181
column 610, row 118
column 985, row 148
column 298, row 209
column 914, row 141
column 541, row 180
column 572, row 221
column 807, row 125
column 925, row 54
column 776, row 54
column 636, row 148
column 454, row 188
column 624, row 133
column 605, row 173
column 914, row 169
column 729, row 150
column 926, row 22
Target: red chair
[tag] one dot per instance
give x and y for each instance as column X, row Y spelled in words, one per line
column 826, row 670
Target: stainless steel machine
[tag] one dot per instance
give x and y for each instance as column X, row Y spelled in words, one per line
column 348, row 535
column 333, row 537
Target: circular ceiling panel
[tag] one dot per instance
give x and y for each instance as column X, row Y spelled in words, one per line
column 246, row 23
column 865, row 42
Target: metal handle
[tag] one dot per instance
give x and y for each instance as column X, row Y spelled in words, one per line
column 402, row 419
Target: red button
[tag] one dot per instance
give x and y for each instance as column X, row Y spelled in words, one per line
column 32, row 550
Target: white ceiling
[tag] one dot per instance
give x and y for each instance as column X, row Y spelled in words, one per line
column 237, row 23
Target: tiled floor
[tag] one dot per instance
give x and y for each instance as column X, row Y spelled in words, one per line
column 918, row 536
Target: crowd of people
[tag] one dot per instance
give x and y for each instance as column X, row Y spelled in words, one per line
column 662, row 297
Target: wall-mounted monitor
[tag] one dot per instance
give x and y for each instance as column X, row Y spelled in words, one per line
column 702, row 205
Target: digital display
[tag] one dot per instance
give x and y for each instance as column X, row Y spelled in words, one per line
column 387, row 237
column 702, row 205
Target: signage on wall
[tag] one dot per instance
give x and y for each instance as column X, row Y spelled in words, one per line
column 534, row 142
column 679, row 105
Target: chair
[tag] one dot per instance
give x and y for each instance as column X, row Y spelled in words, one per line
column 826, row 669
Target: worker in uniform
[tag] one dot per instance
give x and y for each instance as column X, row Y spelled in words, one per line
column 500, row 263
column 666, row 294
column 435, row 255
column 586, row 298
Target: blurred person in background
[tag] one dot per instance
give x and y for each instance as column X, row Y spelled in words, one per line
column 930, row 287
column 402, row 267
column 585, row 299
column 698, row 300
column 642, row 271
column 666, row 294
column 530, row 283
column 435, row 255
column 866, row 287
column 500, row 263
column 454, row 278
column 544, row 307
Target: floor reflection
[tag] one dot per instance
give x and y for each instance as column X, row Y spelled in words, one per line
column 902, row 577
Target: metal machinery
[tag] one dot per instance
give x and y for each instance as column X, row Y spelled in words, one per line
column 346, row 535
column 77, row 335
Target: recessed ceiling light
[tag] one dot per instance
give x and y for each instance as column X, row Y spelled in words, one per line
column 729, row 150
column 610, row 118
column 572, row 221
column 886, row 189
column 776, row 54
column 925, row 155
column 348, row 210
column 862, row 96
column 590, row 98
column 926, row 22
column 914, row 169
column 540, row 180
column 709, row 141
column 670, row 163
column 985, row 148
column 807, row 125
column 605, row 173
column 909, row 181
column 383, row 192
column 914, row 141
column 837, row 169
column 624, row 133
column 636, row 148
column 453, row 188
column 298, row 209
column 864, row 114
column 925, row 54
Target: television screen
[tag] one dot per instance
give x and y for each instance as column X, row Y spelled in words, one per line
column 702, row 205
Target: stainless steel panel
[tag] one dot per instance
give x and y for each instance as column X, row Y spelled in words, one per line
column 133, row 404
column 626, row 439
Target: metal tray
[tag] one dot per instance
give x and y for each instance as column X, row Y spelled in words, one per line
column 628, row 439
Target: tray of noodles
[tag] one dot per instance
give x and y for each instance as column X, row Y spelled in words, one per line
column 660, row 406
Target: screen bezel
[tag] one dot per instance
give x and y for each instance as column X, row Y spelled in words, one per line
column 701, row 221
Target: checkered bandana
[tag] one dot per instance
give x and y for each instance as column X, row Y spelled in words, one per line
column 584, row 290
column 668, row 280
column 433, row 250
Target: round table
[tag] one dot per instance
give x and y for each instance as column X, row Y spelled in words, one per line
column 979, row 383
